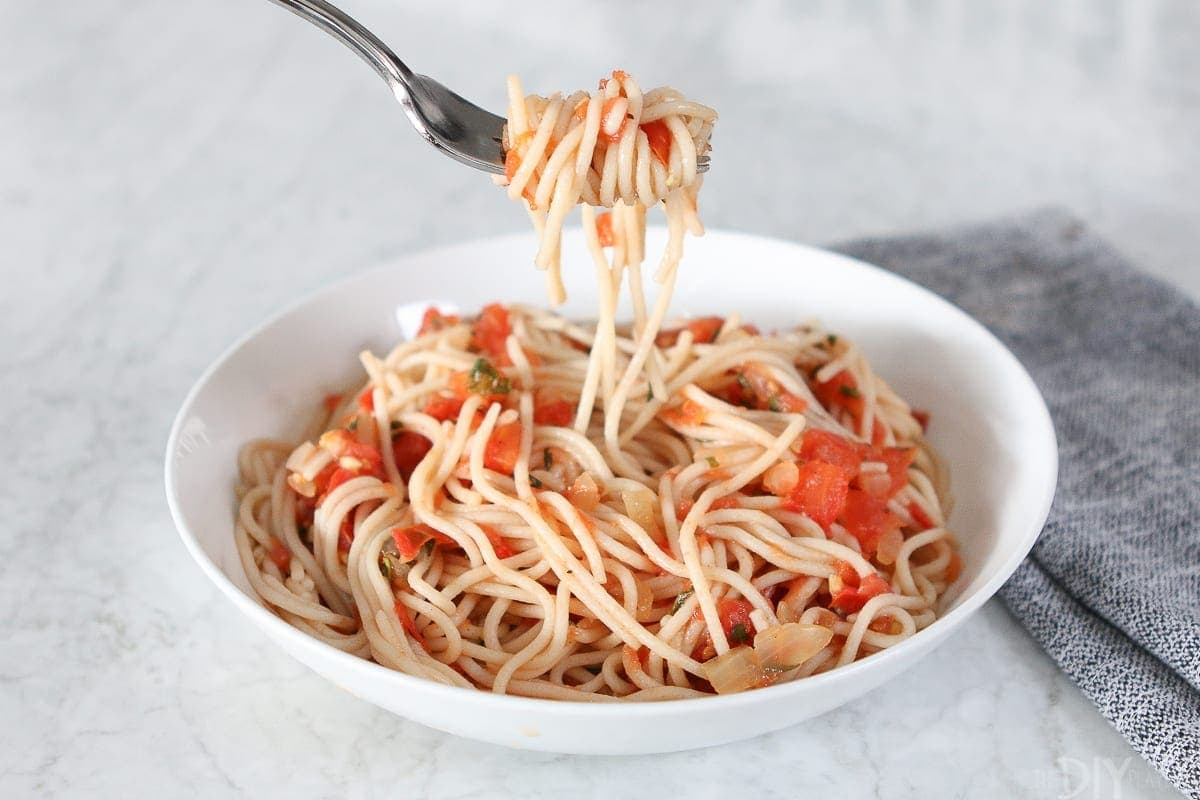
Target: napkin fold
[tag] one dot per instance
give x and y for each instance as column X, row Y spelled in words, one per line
column 1112, row 587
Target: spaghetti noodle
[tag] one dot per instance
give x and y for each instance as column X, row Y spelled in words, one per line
column 523, row 504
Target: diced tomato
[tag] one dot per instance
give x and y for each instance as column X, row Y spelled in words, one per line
column 705, row 329
column 819, row 445
column 278, row 552
column 620, row 75
column 954, row 568
column 729, row 501
column 502, row 547
column 659, row 137
column 854, row 592
column 604, row 229
column 339, row 476
column 443, row 408
column 490, row 333
column 921, row 417
column 549, row 410
column 409, row 540
column 733, row 613
column 866, row 518
column 342, row 444
column 434, row 320
column 820, row 493
column 919, row 516
column 503, row 448
column 346, row 534
column 841, row 391
column 683, row 507
column 366, row 400
column 410, row 627
column 606, row 112
column 408, row 448
column 878, row 433
column 512, row 163
column 331, row 402
column 686, row 414
column 898, row 460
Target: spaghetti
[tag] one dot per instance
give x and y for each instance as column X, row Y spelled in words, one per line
column 527, row 505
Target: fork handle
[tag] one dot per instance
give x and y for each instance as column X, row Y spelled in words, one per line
column 350, row 32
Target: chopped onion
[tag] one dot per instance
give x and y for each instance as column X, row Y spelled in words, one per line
column 735, row 671
column 584, row 494
column 781, row 478
column 787, row 646
column 639, row 506
column 889, row 547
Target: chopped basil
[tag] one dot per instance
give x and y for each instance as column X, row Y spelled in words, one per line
column 534, row 482
column 385, row 566
column 738, row 634
column 743, row 381
column 649, row 393
column 547, row 459
column 680, row 599
column 427, row 549
column 484, row 379
column 396, row 425
column 831, row 339
column 712, row 462
column 353, row 424
column 848, row 391
column 773, row 403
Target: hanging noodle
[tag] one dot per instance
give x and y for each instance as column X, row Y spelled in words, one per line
column 525, row 505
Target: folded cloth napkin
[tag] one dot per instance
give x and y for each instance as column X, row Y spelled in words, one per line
column 1112, row 588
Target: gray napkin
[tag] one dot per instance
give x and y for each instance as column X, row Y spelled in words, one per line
column 1112, row 588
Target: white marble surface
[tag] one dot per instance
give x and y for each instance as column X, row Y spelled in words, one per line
column 172, row 172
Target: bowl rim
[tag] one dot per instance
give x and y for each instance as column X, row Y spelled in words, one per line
column 277, row 628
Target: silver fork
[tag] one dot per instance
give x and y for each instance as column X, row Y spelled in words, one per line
column 455, row 126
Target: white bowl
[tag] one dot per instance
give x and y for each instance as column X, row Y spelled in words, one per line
column 989, row 422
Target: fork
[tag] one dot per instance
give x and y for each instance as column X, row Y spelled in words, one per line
column 452, row 124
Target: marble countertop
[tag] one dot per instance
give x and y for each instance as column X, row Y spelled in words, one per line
column 172, row 173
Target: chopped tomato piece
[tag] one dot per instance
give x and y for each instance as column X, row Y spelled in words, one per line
column 659, row 136
column 604, row 229
column 610, row 128
column 444, row 408
column 503, row 448
column 735, row 614
column 878, row 433
column 339, row 476
column 499, row 544
column 346, row 534
column 409, row 540
column 434, row 320
column 686, row 414
column 853, row 592
column 331, row 402
column 408, row 448
column 278, row 552
column 820, row 492
column 919, row 516
column 841, row 391
column 705, row 329
column 866, row 518
column 921, row 417
column 683, row 507
column 342, row 444
column 366, row 400
column 954, row 568
column 898, row 460
column 490, row 333
column 553, row 411
column 410, row 627
column 729, row 501
column 819, row 445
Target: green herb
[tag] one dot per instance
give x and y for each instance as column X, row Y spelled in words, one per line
column 712, row 462
column 744, row 382
column 547, row 459
column 773, row 403
column 534, row 482
column 396, row 425
column 848, row 391
column 353, row 424
column 831, row 339
column 427, row 549
column 385, row 567
column 680, row 599
column 483, row 379
column 738, row 634
column 649, row 393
